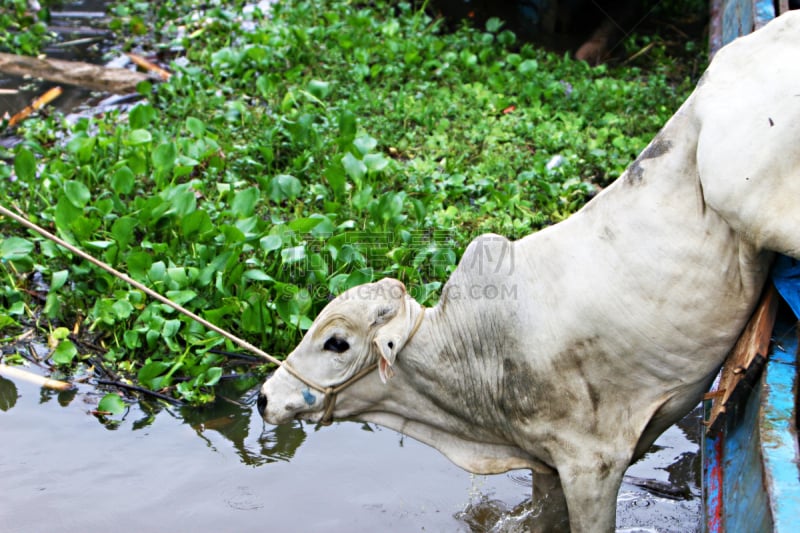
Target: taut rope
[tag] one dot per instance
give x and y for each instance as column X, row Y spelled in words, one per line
column 329, row 392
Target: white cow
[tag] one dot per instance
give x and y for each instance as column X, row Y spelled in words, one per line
column 569, row 351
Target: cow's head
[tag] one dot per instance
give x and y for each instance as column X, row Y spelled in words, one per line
column 363, row 326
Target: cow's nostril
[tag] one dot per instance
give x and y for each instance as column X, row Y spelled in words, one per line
column 261, row 403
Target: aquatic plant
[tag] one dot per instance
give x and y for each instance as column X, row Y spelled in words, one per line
column 291, row 155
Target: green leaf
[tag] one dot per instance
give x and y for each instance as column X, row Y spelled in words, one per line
column 25, row 165
column 212, row 376
column 304, row 225
column 354, row 167
column 257, row 275
column 170, row 327
column 59, row 278
column 270, row 243
column 528, row 66
column 123, row 181
column 365, row 144
column 139, row 264
column 195, row 126
column 141, row 116
column 64, row 353
column 164, row 156
column 244, row 202
column 8, row 394
column 122, row 231
column 284, row 187
column 319, row 88
column 137, row 137
column 375, row 162
column 77, row 193
column 111, row 403
column 181, row 297
column 15, row 248
column 195, row 224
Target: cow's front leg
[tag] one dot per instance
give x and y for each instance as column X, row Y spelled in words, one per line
column 590, row 491
column 548, row 504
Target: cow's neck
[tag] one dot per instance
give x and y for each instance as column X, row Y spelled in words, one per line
column 438, row 395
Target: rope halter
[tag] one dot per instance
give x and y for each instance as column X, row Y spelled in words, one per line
column 329, row 403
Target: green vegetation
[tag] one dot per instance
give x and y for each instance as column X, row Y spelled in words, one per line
column 293, row 155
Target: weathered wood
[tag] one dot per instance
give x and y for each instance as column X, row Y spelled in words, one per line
column 37, row 104
column 94, row 77
column 36, row 379
column 746, row 359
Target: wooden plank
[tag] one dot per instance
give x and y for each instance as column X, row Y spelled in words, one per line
column 744, row 363
column 94, row 77
column 777, row 428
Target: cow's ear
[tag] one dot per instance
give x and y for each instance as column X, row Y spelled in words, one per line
column 391, row 320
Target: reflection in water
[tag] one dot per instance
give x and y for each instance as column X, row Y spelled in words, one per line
column 224, row 459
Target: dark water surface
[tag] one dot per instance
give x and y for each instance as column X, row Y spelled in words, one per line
column 223, row 469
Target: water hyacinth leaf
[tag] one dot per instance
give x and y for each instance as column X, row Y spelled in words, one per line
column 304, row 225
column 64, row 353
column 365, row 144
column 7, row 322
column 336, row 176
column 181, row 297
column 152, row 370
column 354, row 167
column 123, row 180
column 8, row 394
column 58, row 279
column 77, row 193
column 293, row 254
column 196, row 224
column 164, row 157
column 138, row 137
column 375, row 162
column 122, row 231
column 284, row 187
column 181, row 201
column 256, row 274
column 244, row 202
column 157, row 272
column 81, row 145
column 270, row 243
column 15, row 248
column 171, row 327
column 111, row 403
column 141, row 116
column 139, row 264
column 212, row 376
column 319, row 88
column 25, row 165
column 528, row 66
column 122, row 309
column 195, row 126
column 347, row 125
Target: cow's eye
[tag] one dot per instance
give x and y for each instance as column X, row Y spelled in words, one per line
column 335, row 344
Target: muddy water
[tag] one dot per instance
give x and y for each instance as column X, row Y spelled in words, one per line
column 223, row 469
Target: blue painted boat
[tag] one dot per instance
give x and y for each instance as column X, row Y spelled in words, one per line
column 751, row 474
column 751, row 462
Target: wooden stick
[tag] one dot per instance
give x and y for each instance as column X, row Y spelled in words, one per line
column 94, row 77
column 36, row 379
column 149, row 66
column 37, row 104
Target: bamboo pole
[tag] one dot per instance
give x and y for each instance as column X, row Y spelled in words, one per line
column 36, row 379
